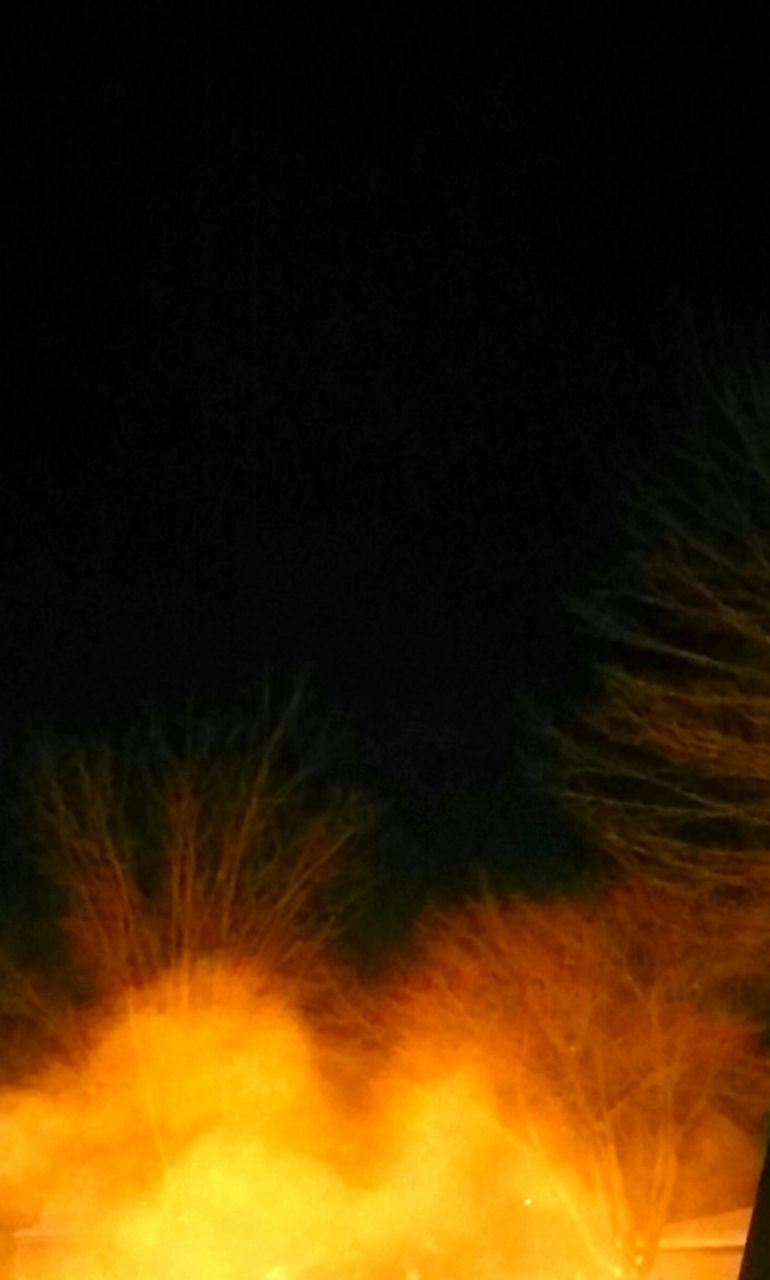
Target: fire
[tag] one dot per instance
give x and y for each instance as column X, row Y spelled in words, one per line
column 204, row 1136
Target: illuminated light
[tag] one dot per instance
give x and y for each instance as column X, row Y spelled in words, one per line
column 206, row 1142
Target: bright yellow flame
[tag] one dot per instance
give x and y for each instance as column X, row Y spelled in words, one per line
column 201, row 1140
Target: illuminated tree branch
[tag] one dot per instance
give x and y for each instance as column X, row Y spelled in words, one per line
column 608, row 1031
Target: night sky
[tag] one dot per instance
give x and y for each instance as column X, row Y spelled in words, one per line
column 326, row 339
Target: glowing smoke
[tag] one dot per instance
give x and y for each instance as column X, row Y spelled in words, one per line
column 201, row 1137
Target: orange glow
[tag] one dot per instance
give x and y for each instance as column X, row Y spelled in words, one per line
column 205, row 1137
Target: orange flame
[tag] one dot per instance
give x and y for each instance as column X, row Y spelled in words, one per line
column 202, row 1138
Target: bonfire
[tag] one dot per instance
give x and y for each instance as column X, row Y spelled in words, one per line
column 208, row 1139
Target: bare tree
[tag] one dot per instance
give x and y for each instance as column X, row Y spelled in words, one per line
column 669, row 768
column 218, row 838
column 607, row 1031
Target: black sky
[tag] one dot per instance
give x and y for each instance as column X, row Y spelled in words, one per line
column 324, row 339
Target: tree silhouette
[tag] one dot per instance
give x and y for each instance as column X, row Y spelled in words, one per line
column 669, row 766
column 216, row 837
column 609, row 1034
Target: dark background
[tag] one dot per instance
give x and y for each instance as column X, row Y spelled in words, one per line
column 325, row 340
